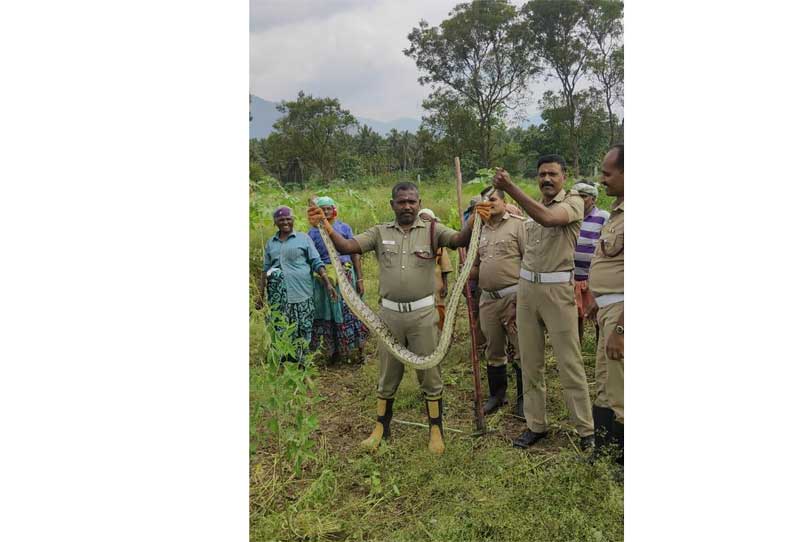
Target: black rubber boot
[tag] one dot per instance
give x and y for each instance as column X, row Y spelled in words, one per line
column 617, row 438
column 519, row 410
column 435, row 413
column 381, row 430
column 602, row 423
column 385, row 420
column 497, row 386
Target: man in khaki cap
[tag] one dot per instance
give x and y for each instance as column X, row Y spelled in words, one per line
column 406, row 258
column 496, row 269
column 546, row 299
column 606, row 282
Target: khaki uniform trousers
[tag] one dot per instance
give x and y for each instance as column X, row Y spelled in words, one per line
column 552, row 305
column 417, row 331
column 609, row 372
column 492, row 313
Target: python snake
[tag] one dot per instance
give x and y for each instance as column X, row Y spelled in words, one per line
column 377, row 325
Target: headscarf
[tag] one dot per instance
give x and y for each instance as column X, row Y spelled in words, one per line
column 282, row 212
column 586, row 188
column 325, row 201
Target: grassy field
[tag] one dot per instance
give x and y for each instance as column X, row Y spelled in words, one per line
column 480, row 489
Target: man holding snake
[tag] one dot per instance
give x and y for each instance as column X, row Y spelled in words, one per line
column 405, row 250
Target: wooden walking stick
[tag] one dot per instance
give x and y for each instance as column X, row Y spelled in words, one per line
column 475, row 362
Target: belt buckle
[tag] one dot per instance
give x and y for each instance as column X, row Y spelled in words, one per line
column 536, row 278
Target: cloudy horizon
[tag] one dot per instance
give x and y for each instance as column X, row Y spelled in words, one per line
column 350, row 50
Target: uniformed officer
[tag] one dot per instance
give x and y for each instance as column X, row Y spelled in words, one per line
column 497, row 267
column 606, row 282
column 546, row 298
column 406, row 258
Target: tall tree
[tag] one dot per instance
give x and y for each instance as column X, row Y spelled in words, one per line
column 604, row 20
column 591, row 127
column 316, row 130
column 480, row 53
column 450, row 120
column 561, row 39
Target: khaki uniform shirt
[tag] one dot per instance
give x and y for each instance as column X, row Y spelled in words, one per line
column 606, row 269
column 500, row 252
column 551, row 249
column 404, row 276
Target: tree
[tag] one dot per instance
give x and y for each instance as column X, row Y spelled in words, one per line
column 591, row 127
column 451, row 122
column 482, row 55
column 368, row 144
column 315, row 129
column 604, row 20
column 561, row 39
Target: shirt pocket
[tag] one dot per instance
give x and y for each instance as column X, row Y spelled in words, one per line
column 389, row 255
column 482, row 250
column 550, row 233
column 501, row 247
column 422, row 257
column 611, row 245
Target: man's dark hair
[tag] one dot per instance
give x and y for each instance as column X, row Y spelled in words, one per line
column 498, row 191
column 551, row 159
column 619, row 159
column 399, row 187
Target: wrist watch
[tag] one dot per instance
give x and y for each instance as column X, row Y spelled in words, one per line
column 619, row 329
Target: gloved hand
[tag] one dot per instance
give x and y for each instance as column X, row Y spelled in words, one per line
column 484, row 210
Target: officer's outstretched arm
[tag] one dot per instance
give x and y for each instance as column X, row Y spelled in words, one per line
column 343, row 246
column 545, row 216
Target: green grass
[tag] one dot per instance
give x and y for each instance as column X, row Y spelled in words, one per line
column 480, row 489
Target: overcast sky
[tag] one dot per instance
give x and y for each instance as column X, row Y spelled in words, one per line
column 346, row 49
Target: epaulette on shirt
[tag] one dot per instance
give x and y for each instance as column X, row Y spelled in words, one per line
column 517, row 216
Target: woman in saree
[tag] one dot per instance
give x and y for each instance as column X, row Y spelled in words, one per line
column 336, row 329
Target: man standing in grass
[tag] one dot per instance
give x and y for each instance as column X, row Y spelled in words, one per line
column 406, row 259
column 606, row 282
column 546, row 300
column 496, row 269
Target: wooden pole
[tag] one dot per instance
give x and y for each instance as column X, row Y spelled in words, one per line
column 475, row 362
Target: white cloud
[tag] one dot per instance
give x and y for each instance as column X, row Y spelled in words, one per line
column 352, row 54
column 348, row 49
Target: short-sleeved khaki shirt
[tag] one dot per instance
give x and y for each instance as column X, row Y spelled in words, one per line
column 551, row 249
column 500, row 252
column 404, row 275
column 606, row 269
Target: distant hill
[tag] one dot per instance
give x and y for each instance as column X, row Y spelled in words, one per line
column 264, row 114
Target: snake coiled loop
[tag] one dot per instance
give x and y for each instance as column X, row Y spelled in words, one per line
column 376, row 324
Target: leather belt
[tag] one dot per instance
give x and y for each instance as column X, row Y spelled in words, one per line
column 409, row 306
column 499, row 294
column 546, row 278
column 608, row 299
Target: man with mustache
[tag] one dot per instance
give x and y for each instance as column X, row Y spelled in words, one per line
column 406, row 257
column 606, row 282
column 546, row 299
